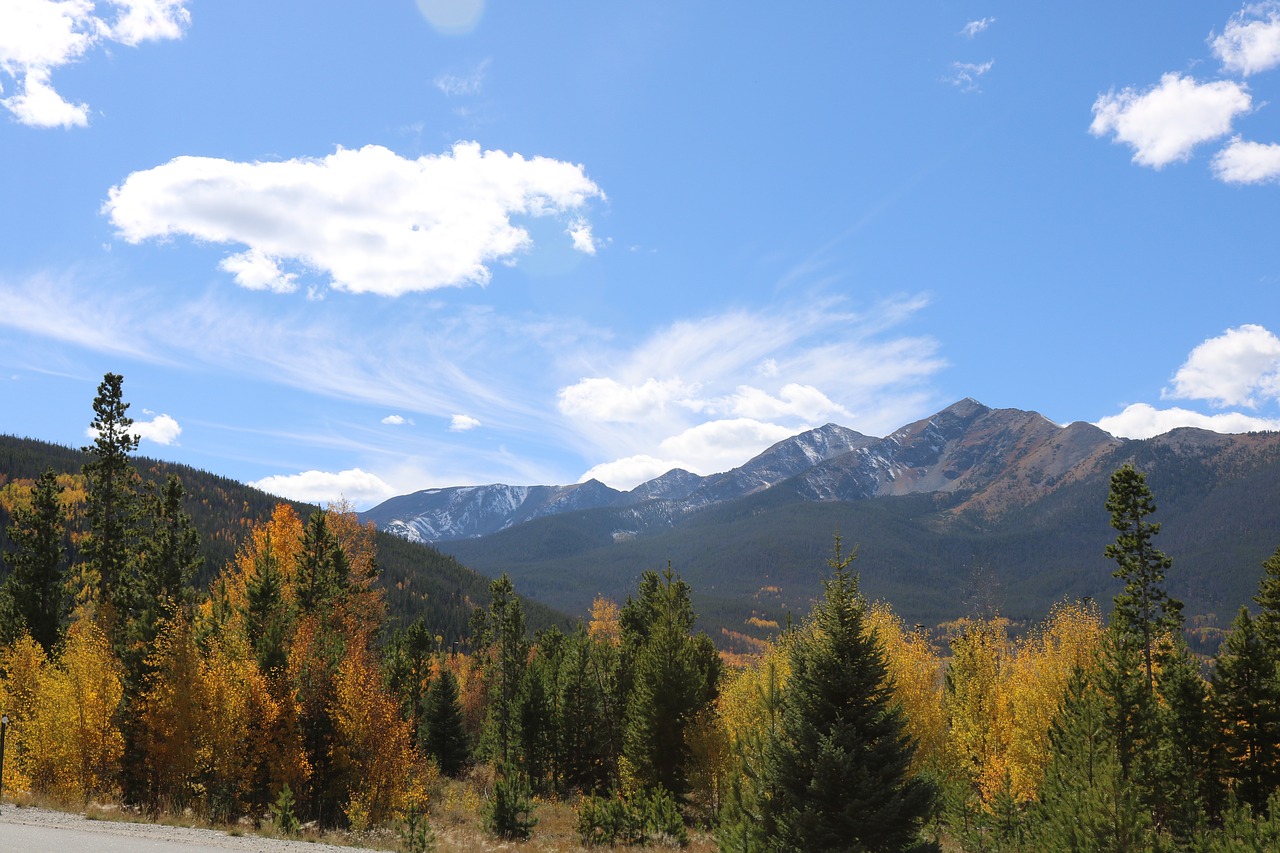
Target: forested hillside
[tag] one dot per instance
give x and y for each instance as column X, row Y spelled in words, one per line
column 419, row 580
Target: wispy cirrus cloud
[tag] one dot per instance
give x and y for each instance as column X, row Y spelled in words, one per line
column 973, row 28
column 368, row 219
column 469, row 83
column 38, row 36
column 706, row 395
column 967, row 76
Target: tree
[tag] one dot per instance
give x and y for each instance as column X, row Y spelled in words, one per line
column 502, row 628
column 838, row 764
column 1268, row 599
column 33, row 593
column 1247, row 702
column 1086, row 802
column 674, row 677
column 113, row 507
column 1143, row 607
column 442, row 736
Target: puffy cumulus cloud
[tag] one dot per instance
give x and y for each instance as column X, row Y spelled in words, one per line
column 463, row 423
column 629, row 472
column 397, row 420
column 1141, row 420
column 793, row 401
column 580, row 232
column 605, row 399
column 1251, row 40
column 372, row 221
column 1238, row 368
column 161, row 429
column 723, row 444
column 37, row 36
column 323, row 487
column 1247, row 163
column 972, row 28
column 1164, row 123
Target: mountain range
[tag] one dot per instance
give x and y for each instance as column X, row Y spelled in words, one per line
column 972, row 508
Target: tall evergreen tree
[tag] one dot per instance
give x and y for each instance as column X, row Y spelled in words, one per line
column 1143, row 607
column 322, row 575
column 675, row 675
column 1186, row 784
column 838, row 766
column 1248, row 704
column 443, row 736
column 113, row 508
column 267, row 614
column 1086, row 801
column 1268, row 598
column 502, row 630
column 33, row 595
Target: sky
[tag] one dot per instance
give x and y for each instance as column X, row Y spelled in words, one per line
column 352, row 251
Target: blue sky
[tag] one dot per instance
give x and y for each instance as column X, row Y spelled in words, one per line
column 365, row 249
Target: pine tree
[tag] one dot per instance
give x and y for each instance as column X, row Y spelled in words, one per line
column 1086, row 802
column 33, row 593
column 443, row 736
column 1143, row 607
column 267, row 617
column 674, row 677
column 502, row 629
column 1248, row 706
column 1268, row 599
column 1185, row 786
column 322, row 566
column 113, row 508
column 838, row 766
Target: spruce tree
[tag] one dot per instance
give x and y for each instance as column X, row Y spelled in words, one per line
column 1268, row 599
column 113, row 508
column 443, row 737
column 33, row 595
column 267, row 614
column 502, row 630
column 1248, row 708
column 1086, row 801
column 838, row 765
column 1143, row 607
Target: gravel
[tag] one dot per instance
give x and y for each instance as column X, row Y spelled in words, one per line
column 34, row 830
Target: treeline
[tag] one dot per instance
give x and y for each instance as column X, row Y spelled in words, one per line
column 282, row 689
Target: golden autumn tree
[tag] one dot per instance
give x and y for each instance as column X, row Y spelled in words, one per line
column 915, row 676
column 72, row 744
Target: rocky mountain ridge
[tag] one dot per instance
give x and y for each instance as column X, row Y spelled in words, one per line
column 994, row 457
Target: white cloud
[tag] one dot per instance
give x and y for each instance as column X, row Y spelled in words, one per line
column 397, row 420
column 1164, row 123
column 371, row 220
column 965, row 75
column 1141, row 420
column 161, row 429
column 724, row 444
column 793, row 401
column 40, row 106
column 707, row 395
column 255, row 271
column 324, row 487
column 37, row 36
column 463, row 423
column 1247, row 163
column 1238, row 368
column 1251, row 41
column 454, row 85
column 630, row 472
column 605, row 399
column 580, row 231
column 972, row 28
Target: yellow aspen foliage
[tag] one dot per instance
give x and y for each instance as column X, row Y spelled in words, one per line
column 1036, row 680
column 978, row 717
column 374, row 741
column 710, row 760
column 23, row 664
column 915, row 674
column 278, row 539
column 358, row 541
column 172, row 719
column 251, row 747
column 605, row 625
column 748, row 703
column 72, row 746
